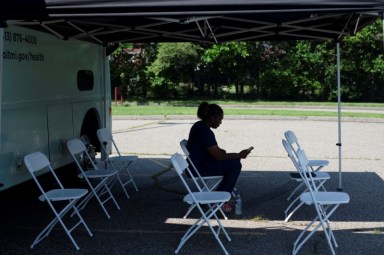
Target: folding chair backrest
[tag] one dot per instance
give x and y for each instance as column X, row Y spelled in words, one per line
column 291, row 137
column 201, row 184
column 105, row 136
column 179, row 163
column 303, row 159
column 36, row 162
column 183, row 145
column 77, row 149
column 181, row 166
column 306, row 171
column 292, row 140
column 76, row 146
column 291, row 153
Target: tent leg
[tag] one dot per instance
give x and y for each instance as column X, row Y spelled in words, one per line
column 1, row 74
column 339, row 112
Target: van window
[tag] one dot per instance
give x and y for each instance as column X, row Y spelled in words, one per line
column 85, row 80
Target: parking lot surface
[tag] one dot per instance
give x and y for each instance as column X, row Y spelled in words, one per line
column 151, row 222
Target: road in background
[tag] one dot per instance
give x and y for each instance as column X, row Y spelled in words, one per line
column 362, row 139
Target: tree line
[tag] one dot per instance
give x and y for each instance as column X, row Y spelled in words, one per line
column 255, row 70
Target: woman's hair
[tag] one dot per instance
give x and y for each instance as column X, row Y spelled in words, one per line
column 206, row 111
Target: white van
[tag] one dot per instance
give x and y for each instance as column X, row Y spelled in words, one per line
column 51, row 91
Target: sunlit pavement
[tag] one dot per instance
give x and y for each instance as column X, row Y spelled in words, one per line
column 151, row 222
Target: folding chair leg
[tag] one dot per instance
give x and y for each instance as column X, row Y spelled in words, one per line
column 47, row 230
column 81, row 221
column 301, row 185
column 189, row 211
column 327, row 230
column 125, row 167
column 131, row 178
column 193, row 206
column 317, row 169
column 295, row 190
column 123, row 186
column 299, row 243
column 234, row 192
column 105, row 190
column 58, row 219
column 328, row 227
column 329, row 235
column 134, row 185
column 100, row 190
column 200, row 222
column 44, row 233
column 221, row 227
column 83, row 203
column 288, row 216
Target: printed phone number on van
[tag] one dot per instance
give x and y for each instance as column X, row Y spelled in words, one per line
column 20, row 38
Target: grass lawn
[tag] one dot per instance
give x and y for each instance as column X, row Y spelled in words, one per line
column 166, row 108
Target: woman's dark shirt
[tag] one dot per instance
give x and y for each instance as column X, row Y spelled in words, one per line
column 200, row 139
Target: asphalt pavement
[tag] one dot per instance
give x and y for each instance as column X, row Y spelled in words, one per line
column 151, row 221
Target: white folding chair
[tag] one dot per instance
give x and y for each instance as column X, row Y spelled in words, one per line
column 206, row 183
column 210, row 181
column 37, row 161
column 325, row 204
column 319, row 177
column 120, row 163
column 213, row 200
column 315, row 164
column 98, row 180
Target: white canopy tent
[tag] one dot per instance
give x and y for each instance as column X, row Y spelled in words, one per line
column 208, row 21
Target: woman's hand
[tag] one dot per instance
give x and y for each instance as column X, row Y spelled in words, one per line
column 220, row 154
column 244, row 153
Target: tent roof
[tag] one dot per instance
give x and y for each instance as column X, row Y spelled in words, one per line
column 212, row 21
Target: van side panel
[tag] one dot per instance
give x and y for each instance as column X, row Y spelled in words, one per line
column 21, row 130
column 41, row 105
column 59, row 131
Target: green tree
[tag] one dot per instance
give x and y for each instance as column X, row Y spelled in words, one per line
column 128, row 68
column 226, row 60
column 175, row 67
column 313, row 68
column 120, row 67
column 282, row 70
column 363, row 65
column 271, row 70
column 245, row 64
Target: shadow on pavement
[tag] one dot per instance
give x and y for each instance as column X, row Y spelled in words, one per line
column 151, row 222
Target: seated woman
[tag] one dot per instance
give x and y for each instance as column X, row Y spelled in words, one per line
column 205, row 153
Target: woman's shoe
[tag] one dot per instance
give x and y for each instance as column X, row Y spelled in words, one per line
column 227, row 207
column 232, row 201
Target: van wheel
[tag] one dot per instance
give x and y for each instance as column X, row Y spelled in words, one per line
column 85, row 160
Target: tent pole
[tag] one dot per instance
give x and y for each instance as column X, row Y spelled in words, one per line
column 339, row 111
column 382, row 26
column 1, row 74
column 105, row 106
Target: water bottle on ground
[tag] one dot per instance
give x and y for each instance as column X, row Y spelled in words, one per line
column 238, row 205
